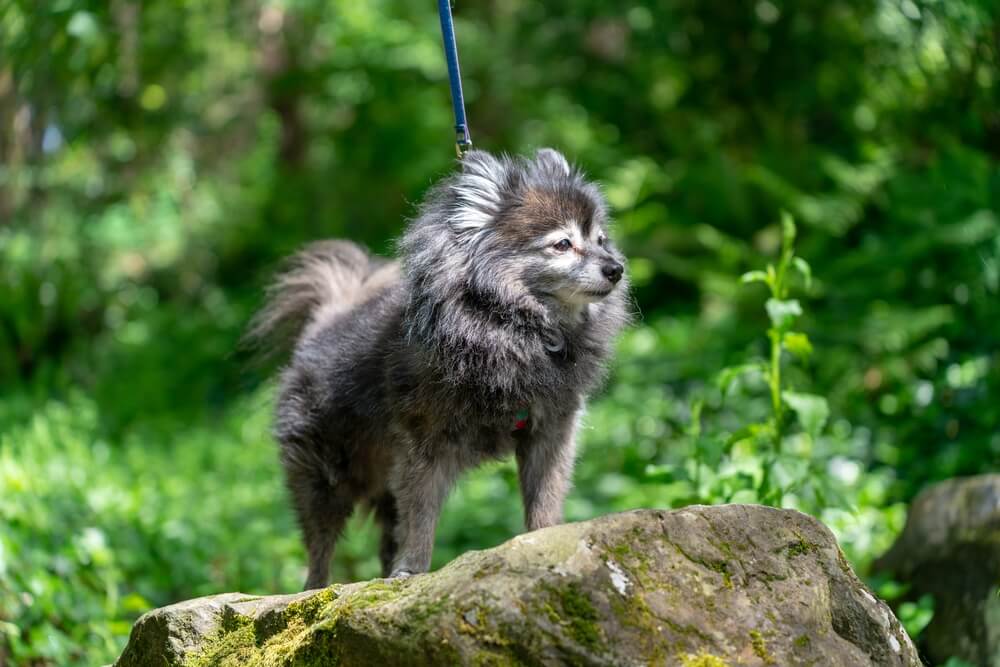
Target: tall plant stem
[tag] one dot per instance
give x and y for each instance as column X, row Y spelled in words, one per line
column 777, row 406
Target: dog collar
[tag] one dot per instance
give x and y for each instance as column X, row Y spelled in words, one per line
column 521, row 420
column 554, row 341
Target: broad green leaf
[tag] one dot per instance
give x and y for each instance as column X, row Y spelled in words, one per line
column 724, row 380
column 783, row 312
column 812, row 410
column 739, row 434
column 798, row 344
column 709, row 450
column 916, row 615
column 660, row 473
column 756, row 432
column 753, row 277
column 133, row 602
column 803, row 268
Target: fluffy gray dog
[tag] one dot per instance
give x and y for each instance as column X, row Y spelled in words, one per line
column 484, row 339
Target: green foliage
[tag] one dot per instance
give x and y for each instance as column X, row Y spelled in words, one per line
column 96, row 533
column 812, row 411
column 916, row 615
column 745, row 454
column 157, row 160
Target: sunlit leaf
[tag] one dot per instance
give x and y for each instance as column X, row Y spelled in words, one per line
column 916, row 615
column 753, row 277
column 812, row 410
column 83, row 25
column 660, row 473
column 727, row 376
column 798, row 344
column 803, row 267
column 783, row 312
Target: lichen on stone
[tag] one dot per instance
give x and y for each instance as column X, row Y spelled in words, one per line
column 760, row 647
column 579, row 615
column 702, row 659
column 800, row 548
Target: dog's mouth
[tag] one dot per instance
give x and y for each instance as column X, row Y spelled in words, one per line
column 579, row 296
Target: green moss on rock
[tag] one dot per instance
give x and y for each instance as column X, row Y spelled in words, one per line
column 233, row 645
column 579, row 614
column 760, row 647
column 290, row 638
column 702, row 659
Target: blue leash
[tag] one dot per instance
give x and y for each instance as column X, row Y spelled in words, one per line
column 463, row 140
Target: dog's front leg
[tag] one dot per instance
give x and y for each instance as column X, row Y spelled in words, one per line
column 420, row 484
column 545, row 466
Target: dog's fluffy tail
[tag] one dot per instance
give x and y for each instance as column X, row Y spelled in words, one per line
column 321, row 282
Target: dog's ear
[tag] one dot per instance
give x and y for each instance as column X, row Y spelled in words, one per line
column 479, row 190
column 551, row 161
column 481, row 163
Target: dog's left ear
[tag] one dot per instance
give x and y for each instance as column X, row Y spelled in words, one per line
column 551, row 161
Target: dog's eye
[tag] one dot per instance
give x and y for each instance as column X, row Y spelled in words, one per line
column 562, row 245
column 601, row 240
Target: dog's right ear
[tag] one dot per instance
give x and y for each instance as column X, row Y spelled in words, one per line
column 478, row 191
column 480, row 163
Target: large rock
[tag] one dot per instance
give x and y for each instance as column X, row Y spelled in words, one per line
column 698, row 587
column 950, row 548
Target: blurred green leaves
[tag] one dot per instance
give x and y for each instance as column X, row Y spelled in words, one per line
column 93, row 536
column 812, row 411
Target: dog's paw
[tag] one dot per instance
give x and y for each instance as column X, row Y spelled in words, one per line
column 401, row 574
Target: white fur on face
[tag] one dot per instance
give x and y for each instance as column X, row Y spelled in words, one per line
column 577, row 295
column 563, row 260
column 570, row 230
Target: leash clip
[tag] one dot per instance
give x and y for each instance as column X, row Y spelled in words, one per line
column 462, row 141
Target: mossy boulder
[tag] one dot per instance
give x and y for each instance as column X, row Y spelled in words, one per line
column 698, row 587
column 950, row 548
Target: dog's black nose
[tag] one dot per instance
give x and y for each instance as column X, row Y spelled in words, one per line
column 612, row 271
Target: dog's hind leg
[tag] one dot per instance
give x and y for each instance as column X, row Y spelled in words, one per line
column 387, row 517
column 322, row 511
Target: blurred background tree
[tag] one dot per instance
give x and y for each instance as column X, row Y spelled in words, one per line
column 157, row 159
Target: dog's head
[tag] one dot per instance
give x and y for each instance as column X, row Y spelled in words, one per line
column 518, row 227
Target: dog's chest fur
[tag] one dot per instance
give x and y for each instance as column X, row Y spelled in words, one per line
column 466, row 378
